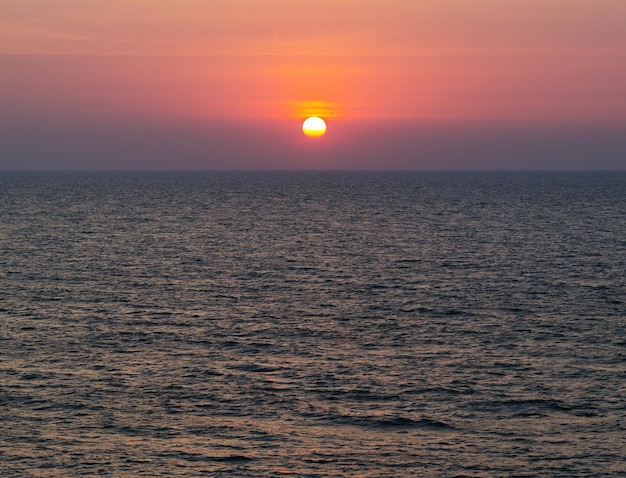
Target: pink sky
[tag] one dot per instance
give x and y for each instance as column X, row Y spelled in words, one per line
column 253, row 69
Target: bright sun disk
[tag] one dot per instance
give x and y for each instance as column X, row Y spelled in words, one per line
column 314, row 126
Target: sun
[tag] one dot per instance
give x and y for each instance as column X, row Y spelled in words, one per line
column 314, row 126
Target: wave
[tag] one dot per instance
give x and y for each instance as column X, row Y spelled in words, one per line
column 390, row 422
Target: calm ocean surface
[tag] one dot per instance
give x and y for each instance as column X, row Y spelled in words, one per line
column 313, row 324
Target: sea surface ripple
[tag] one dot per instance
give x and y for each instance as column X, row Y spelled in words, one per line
column 313, row 324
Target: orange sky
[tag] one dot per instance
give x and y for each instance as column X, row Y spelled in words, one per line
column 528, row 59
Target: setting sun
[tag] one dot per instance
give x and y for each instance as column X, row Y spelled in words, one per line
column 314, row 126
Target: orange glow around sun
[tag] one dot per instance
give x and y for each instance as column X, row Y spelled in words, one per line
column 314, row 126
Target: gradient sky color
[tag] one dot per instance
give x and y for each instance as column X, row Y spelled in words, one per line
column 225, row 84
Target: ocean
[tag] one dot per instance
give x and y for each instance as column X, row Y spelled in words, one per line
column 313, row 324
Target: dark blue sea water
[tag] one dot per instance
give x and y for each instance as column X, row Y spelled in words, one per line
column 313, row 324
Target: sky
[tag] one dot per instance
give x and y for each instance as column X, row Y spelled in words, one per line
column 226, row 84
